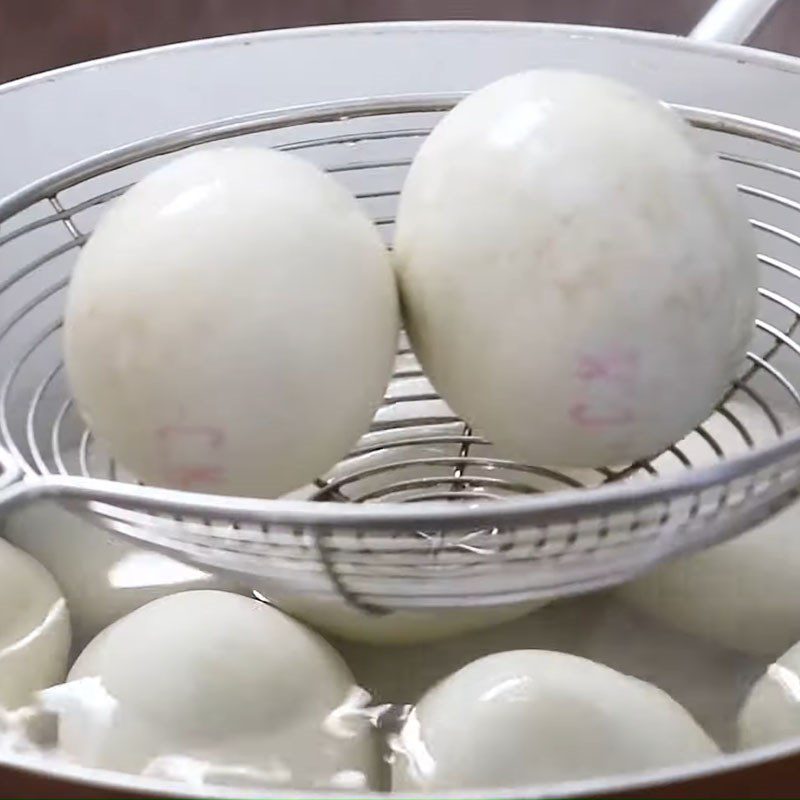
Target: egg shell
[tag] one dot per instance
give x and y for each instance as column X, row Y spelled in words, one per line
column 771, row 711
column 34, row 628
column 214, row 677
column 578, row 279
column 532, row 716
column 231, row 324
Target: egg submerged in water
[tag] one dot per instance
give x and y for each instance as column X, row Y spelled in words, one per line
column 34, row 628
column 398, row 627
column 740, row 594
column 231, row 324
column 222, row 680
column 771, row 711
column 102, row 576
column 533, row 716
column 578, row 279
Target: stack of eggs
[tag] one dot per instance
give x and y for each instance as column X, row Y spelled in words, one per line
column 562, row 244
column 232, row 323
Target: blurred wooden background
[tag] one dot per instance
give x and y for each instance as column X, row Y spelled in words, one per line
column 41, row 34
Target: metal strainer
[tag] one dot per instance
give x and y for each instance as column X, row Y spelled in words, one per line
column 423, row 513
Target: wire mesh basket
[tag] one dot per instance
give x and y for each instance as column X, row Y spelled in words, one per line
column 423, row 513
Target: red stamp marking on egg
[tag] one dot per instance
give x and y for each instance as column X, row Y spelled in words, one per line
column 191, row 455
column 584, row 415
column 608, row 380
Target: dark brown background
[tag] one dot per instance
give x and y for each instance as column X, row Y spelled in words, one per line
column 40, row 34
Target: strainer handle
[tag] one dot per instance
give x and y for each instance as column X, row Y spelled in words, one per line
column 733, row 21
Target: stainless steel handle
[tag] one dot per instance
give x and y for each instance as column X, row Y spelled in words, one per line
column 733, row 21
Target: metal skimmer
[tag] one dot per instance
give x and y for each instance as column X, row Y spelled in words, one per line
column 423, row 513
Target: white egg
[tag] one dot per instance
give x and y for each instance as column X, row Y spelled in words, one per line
column 771, row 712
column 533, row 716
column 34, row 628
column 741, row 594
column 217, row 678
column 231, row 324
column 397, row 627
column 102, row 576
column 578, row 279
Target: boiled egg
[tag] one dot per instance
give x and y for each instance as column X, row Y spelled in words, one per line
column 394, row 627
column 217, row 679
column 532, row 717
column 741, row 594
column 103, row 577
column 231, row 324
column 771, row 711
column 34, row 628
column 578, row 279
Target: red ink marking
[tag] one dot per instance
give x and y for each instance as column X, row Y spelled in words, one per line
column 581, row 414
column 608, row 378
column 213, row 436
column 191, row 455
column 615, row 367
column 187, row 477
